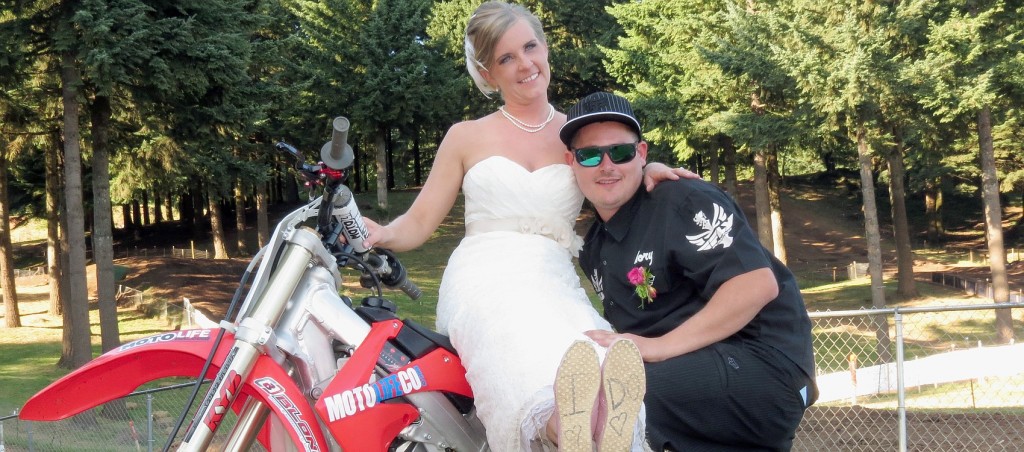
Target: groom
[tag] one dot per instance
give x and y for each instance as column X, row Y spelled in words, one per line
column 720, row 323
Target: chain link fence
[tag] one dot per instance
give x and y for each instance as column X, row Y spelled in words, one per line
column 182, row 253
column 31, row 271
column 935, row 378
column 140, row 421
column 979, row 255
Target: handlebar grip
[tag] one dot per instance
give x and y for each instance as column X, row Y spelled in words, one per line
column 337, row 154
column 398, row 277
column 411, row 289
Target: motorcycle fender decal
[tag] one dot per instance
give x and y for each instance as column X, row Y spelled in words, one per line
column 270, row 383
column 451, row 377
column 358, row 399
column 120, row 371
column 182, row 335
column 232, row 383
column 350, row 397
column 364, row 433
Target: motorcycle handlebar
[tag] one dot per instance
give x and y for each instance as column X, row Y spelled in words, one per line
column 337, row 154
column 341, row 204
column 398, row 278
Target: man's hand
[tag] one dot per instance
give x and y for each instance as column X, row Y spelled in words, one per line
column 656, row 172
column 646, row 345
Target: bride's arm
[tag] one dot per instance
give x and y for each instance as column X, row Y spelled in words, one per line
column 431, row 205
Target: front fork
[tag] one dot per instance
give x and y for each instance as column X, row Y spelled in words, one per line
column 252, row 334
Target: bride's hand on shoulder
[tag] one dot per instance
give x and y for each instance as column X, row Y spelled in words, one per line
column 656, row 172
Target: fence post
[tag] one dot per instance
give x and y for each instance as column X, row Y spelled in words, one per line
column 149, row 422
column 901, row 396
column 186, row 308
column 852, row 359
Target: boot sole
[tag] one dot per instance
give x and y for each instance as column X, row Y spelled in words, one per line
column 576, row 387
column 624, row 383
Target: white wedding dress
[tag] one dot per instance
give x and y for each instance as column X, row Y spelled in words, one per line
column 511, row 299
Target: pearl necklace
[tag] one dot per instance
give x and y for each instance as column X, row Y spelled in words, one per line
column 530, row 128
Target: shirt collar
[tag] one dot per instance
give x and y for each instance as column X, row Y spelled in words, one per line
column 619, row 224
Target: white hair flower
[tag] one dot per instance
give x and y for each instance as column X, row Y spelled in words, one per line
column 474, row 66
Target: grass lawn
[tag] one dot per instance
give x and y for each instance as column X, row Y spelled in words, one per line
column 28, row 355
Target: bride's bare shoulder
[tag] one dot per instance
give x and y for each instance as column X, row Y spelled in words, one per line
column 473, row 131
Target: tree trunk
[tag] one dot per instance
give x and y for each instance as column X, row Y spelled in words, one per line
column 158, row 216
column 169, row 199
column 389, row 154
column 10, row 292
column 220, row 248
column 126, row 217
column 775, row 203
column 874, row 239
column 77, row 348
column 763, row 211
column 355, row 181
column 713, row 167
column 145, row 208
column 197, row 200
column 729, row 161
column 906, row 286
column 186, row 208
column 262, row 219
column 53, row 248
column 103, row 235
column 417, row 166
column 289, row 189
column 935, row 229
column 382, row 171
column 137, row 213
column 994, row 226
column 240, row 218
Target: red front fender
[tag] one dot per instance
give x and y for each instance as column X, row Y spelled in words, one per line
column 118, row 372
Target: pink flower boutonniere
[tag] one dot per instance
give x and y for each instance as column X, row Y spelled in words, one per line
column 643, row 282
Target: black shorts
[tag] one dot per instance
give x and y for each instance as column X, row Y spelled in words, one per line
column 734, row 395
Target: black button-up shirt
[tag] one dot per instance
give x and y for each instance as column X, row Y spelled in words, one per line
column 692, row 237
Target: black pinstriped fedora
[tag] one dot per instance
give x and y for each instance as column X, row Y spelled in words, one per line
column 598, row 107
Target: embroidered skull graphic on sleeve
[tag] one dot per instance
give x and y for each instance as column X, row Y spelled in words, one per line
column 717, row 230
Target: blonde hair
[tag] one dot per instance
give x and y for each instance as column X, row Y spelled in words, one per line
column 486, row 26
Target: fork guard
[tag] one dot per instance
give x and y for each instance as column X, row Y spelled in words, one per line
column 118, row 372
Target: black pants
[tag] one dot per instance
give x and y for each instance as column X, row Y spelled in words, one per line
column 729, row 396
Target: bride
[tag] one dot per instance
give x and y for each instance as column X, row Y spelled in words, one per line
column 510, row 298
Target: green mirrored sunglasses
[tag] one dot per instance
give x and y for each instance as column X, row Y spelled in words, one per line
column 618, row 153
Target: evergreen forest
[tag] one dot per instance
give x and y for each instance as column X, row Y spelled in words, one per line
column 136, row 112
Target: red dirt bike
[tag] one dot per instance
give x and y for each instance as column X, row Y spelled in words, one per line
column 301, row 367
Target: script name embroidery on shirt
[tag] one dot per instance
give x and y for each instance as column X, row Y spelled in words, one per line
column 644, row 256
